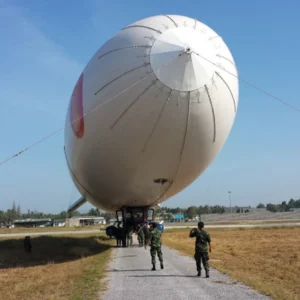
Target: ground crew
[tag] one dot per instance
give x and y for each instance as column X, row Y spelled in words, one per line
column 155, row 245
column 119, row 231
column 201, row 250
column 146, row 232
column 141, row 235
column 130, row 229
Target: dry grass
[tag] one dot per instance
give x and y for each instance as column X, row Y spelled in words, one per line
column 46, row 229
column 58, row 268
column 254, row 222
column 267, row 259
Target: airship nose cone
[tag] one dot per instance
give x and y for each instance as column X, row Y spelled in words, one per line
column 183, row 59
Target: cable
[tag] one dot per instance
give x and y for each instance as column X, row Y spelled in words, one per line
column 32, row 145
column 250, row 84
column 101, row 104
column 87, row 113
column 60, row 129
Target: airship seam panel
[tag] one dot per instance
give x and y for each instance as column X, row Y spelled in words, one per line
column 181, row 152
column 133, row 102
column 155, row 125
column 141, row 26
column 124, row 48
column 227, row 60
column 186, row 130
column 213, row 113
column 228, row 89
column 171, row 20
column 120, row 76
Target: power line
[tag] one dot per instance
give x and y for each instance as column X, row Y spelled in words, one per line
column 87, row 113
column 250, row 84
column 60, row 129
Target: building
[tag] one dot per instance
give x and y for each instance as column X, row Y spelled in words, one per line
column 178, row 218
column 295, row 209
column 85, row 221
column 59, row 223
column 32, row 223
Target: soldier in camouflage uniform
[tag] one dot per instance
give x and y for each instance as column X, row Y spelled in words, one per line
column 155, row 245
column 201, row 249
column 131, row 228
column 141, row 235
column 129, row 235
column 146, row 232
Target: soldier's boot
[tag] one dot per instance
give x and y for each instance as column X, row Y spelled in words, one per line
column 153, row 269
column 207, row 273
column 161, row 265
column 198, row 268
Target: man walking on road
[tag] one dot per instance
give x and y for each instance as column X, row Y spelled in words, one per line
column 201, row 250
column 155, row 245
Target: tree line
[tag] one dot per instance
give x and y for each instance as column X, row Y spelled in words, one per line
column 190, row 212
column 284, row 206
column 14, row 213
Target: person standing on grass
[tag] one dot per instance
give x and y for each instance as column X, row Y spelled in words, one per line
column 202, row 245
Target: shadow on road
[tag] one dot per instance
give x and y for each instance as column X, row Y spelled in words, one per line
column 49, row 250
column 133, row 270
column 154, row 275
column 127, row 256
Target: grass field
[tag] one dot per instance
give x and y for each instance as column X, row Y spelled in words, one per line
column 267, row 259
column 45, row 229
column 61, row 267
column 254, row 222
column 57, row 229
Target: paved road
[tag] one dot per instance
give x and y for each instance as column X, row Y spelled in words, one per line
column 166, row 227
column 130, row 277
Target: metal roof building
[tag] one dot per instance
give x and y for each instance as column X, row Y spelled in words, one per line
column 32, row 223
column 85, row 221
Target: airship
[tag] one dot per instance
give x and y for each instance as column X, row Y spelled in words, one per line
column 149, row 113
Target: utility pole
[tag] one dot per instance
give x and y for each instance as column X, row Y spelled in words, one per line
column 229, row 193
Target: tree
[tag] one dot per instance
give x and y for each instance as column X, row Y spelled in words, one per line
column 260, row 205
column 14, row 208
column 271, row 207
column 284, row 206
column 92, row 212
column 191, row 212
column 169, row 216
column 19, row 211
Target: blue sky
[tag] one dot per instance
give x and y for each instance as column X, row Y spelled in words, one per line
column 46, row 44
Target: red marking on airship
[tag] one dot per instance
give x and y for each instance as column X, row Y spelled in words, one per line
column 76, row 109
